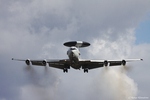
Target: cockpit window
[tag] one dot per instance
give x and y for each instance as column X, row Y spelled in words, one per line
column 73, row 48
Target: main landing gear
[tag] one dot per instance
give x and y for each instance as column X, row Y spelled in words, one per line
column 85, row 70
column 65, row 70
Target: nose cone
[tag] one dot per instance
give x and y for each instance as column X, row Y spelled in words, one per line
column 73, row 54
column 70, row 54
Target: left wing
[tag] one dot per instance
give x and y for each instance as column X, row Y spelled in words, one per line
column 91, row 64
column 55, row 63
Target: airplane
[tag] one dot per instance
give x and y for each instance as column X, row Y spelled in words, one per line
column 74, row 61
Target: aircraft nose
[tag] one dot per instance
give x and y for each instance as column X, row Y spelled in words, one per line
column 72, row 54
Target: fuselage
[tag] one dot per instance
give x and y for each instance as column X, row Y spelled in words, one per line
column 73, row 54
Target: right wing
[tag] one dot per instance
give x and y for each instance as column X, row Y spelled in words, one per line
column 91, row 64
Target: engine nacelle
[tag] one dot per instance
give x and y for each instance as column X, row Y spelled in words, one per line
column 123, row 62
column 27, row 61
column 44, row 62
column 105, row 63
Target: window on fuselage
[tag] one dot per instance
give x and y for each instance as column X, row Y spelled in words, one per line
column 73, row 48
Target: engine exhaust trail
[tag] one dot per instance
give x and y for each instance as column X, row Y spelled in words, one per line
column 42, row 82
column 118, row 83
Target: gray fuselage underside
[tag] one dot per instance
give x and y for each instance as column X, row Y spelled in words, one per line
column 73, row 54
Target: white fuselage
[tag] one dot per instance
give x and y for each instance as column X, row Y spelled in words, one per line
column 73, row 54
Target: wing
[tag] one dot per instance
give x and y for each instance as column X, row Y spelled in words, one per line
column 91, row 64
column 55, row 63
column 61, row 64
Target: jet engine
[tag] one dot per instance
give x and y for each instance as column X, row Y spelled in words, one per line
column 105, row 63
column 44, row 62
column 27, row 61
column 123, row 62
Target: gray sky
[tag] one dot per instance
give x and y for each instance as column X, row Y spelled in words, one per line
column 37, row 29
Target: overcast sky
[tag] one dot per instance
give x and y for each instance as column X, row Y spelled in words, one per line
column 37, row 29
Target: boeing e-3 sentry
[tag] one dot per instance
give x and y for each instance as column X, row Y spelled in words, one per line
column 74, row 61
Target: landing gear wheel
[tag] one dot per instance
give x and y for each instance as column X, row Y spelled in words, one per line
column 65, row 70
column 85, row 70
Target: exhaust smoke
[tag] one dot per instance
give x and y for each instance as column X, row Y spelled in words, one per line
column 115, row 82
column 42, row 83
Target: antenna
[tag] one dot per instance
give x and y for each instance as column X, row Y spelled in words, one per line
column 77, row 44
